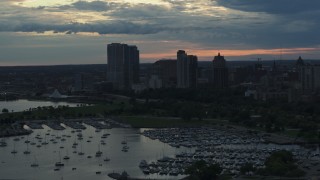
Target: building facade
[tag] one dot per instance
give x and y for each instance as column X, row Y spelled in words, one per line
column 123, row 65
column 310, row 78
column 166, row 70
column 220, row 72
column 187, row 66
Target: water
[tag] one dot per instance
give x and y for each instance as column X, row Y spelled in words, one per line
column 22, row 104
column 18, row 166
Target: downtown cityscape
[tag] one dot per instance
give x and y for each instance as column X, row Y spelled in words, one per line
column 166, row 89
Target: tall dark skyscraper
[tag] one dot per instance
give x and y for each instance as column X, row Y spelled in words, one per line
column 166, row 70
column 187, row 66
column 123, row 65
column 220, row 72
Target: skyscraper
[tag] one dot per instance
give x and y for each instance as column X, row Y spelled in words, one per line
column 310, row 78
column 123, row 65
column 187, row 66
column 220, row 72
column 166, row 70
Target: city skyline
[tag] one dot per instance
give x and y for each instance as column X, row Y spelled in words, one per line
column 35, row 32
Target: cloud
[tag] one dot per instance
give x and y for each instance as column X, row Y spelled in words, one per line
column 272, row 6
column 88, row 6
column 119, row 27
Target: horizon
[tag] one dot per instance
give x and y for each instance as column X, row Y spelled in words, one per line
column 201, row 61
column 35, row 32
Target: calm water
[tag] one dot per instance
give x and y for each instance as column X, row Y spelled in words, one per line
column 22, row 104
column 18, row 166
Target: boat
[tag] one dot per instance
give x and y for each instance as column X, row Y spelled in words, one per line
column 146, row 171
column 143, row 164
column 125, row 148
column 66, row 157
column 98, row 172
column 106, row 159
column 98, row 153
column 59, row 163
column 81, row 153
column 14, row 151
column 3, row 143
column 34, row 164
column 27, row 151
column 45, row 140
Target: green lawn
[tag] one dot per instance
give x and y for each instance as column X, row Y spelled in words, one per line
column 159, row 122
column 291, row 133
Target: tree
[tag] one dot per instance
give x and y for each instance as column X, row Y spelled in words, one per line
column 281, row 163
column 5, row 110
column 201, row 170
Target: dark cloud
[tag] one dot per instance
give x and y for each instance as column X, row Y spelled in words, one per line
column 272, row 6
column 119, row 27
column 88, row 6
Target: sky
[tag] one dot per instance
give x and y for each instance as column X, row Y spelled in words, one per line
column 50, row 32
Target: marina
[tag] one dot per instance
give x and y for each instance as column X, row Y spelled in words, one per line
column 56, row 154
column 215, row 146
column 142, row 153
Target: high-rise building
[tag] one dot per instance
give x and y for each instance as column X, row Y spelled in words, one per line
column 187, row 66
column 310, row 78
column 123, row 65
column 166, row 70
column 220, row 72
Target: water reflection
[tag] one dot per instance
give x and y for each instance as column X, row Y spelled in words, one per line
column 18, row 166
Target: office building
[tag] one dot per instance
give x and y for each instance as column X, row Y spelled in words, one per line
column 166, row 71
column 123, row 65
column 187, row 66
column 220, row 72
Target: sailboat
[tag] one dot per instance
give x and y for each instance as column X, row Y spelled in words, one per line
column 34, row 164
column 3, row 143
column 106, row 159
column 45, row 140
column 98, row 153
column 59, row 164
column 124, row 141
column 66, row 157
column 14, row 151
column 27, row 151
column 27, row 141
column 81, row 153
